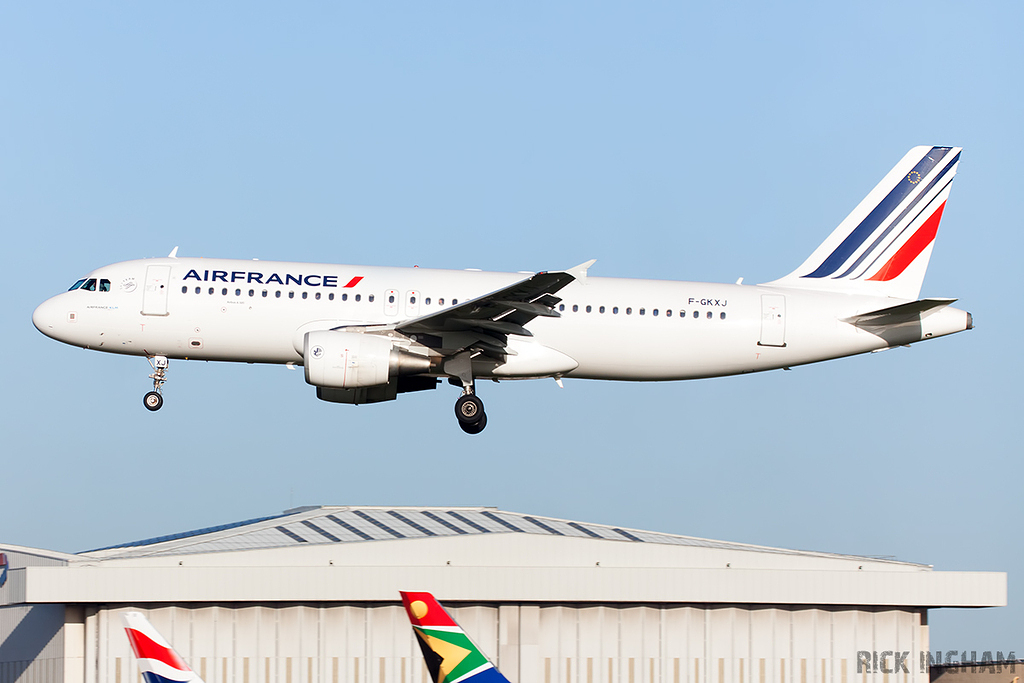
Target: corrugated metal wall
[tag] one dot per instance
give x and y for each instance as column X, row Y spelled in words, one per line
column 570, row 644
column 31, row 644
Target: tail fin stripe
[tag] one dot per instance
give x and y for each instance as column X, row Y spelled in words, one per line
column 151, row 677
column 867, row 227
column 873, row 249
column 881, row 252
column 910, row 207
column 147, row 648
column 913, row 247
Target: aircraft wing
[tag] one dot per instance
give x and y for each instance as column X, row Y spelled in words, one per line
column 485, row 322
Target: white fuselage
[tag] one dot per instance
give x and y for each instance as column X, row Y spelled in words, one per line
column 610, row 328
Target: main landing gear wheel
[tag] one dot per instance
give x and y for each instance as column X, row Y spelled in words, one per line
column 476, row 427
column 469, row 409
column 153, row 401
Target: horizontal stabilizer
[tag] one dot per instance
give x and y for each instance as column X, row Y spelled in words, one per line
column 899, row 315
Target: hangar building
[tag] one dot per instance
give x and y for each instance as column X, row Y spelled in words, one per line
column 311, row 596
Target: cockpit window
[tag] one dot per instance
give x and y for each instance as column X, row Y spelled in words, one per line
column 76, row 285
column 104, row 285
column 90, row 285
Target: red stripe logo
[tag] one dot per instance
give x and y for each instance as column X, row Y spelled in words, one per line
column 353, row 282
column 911, row 249
column 145, row 648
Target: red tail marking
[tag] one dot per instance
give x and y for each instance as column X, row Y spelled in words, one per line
column 911, row 249
column 435, row 615
column 145, row 648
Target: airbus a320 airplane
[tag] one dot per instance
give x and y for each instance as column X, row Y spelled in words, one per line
column 366, row 334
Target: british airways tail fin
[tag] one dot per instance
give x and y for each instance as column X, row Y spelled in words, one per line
column 450, row 655
column 158, row 661
column 882, row 248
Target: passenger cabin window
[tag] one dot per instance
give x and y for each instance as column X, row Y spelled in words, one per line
column 588, row 309
column 76, row 285
column 696, row 314
column 391, row 299
column 455, row 302
column 642, row 311
column 722, row 315
column 305, row 294
column 104, row 285
column 710, row 315
column 575, row 308
column 344, row 297
column 615, row 310
column 358, row 296
column 427, row 301
column 331, row 296
column 184, row 290
column 370, row 298
column 238, row 292
column 198, row 290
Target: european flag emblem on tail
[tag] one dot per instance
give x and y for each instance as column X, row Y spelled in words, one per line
column 450, row 655
column 158, row 661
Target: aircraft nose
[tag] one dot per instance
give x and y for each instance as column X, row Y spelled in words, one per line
column 46, row 316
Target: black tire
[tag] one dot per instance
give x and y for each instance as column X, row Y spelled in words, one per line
column 468, row 409
column 153, row 401
column 476, row 427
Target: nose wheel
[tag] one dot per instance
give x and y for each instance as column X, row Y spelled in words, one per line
column 154, row 400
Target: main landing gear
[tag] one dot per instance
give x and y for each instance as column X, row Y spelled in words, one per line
column 469, row 409
column 154, row 400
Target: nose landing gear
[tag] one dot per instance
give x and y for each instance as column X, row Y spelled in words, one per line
column 154, row 400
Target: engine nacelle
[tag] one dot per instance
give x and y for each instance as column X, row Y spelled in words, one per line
column 347, row 360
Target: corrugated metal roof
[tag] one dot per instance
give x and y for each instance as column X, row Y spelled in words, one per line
column 358, row 524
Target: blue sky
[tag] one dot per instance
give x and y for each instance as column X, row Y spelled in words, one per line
column 707, row 142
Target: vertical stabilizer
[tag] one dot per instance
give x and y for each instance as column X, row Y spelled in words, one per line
column 882, row 248
column 450, row 655
column 157, row 660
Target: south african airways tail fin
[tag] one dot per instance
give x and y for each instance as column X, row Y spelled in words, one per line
column 158, row 661
column 450, row 655
column 882, row 248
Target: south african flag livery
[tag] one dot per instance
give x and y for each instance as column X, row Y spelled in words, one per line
column 450, row 655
